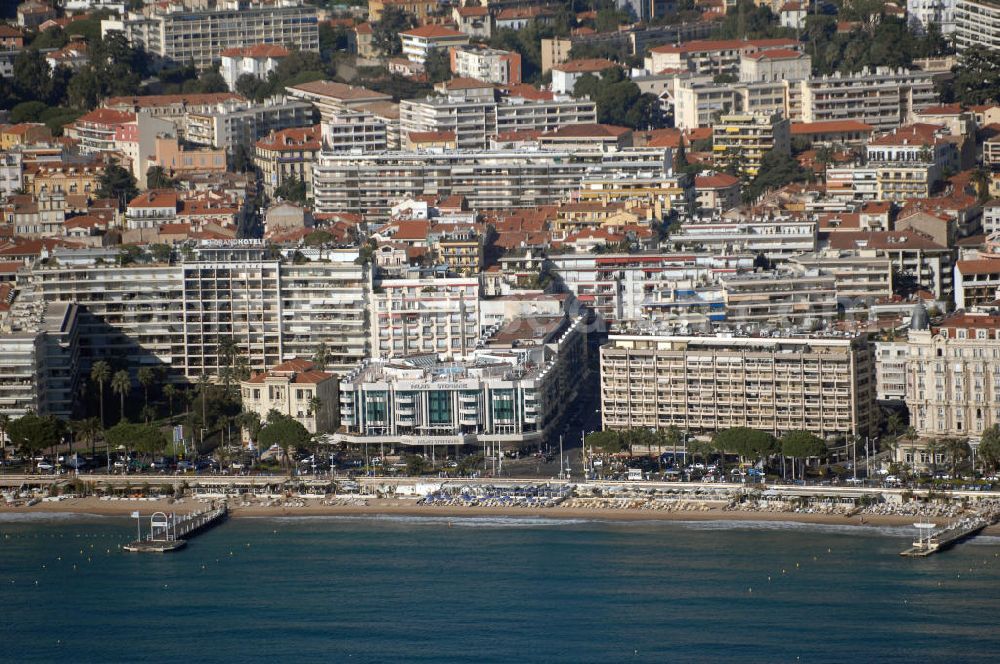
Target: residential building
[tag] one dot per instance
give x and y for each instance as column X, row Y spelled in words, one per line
column 910, row 161
column 174, row 159
column 922, row 14
column 953, row 376
column 177, row 315
column 491, row 179
column 891, row 364
column 806, row 299
column 977, row 23
column 719, row 192
column 991, row 217
column 287, row 153
column 425, row 316
column 514, row 393
column 421, row 9
column 258, row 60
column 473, row 21
column 883, row 97
column 296, row 388
column 419, row 42
column 712, row 57
column 331, row 98
column 704, row 384
column 174, row 108
column 743, row 140
column 914, row 256
column 566, row 74
column 833, row 133
column 239, row 123
column 486, row 64
column 773, row 237
column 182, row 31
column 459, row 246
column 96, row 130
column 24, row 133
column 775, row 65
column 977, row 282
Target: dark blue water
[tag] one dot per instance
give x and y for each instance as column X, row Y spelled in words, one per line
column 492, row 590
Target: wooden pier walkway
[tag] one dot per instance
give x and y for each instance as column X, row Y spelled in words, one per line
column 946, row 537
column 172, row 534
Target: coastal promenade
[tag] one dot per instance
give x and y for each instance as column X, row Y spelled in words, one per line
column 232, row 484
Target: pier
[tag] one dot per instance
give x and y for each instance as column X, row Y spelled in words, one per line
column 168, row 533
column 931, row 540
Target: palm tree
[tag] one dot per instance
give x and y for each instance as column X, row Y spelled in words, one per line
column 146, row 378
column 227, row 351
column 100, row 373
column 170, row 392
column 88, row 430
column 148, row 414
column 958, row 450
column 322, row 357
column 121, row 385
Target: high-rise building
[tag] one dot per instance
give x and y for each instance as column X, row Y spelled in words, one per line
column 977, row 23
column 182, row 31
column 704, row 384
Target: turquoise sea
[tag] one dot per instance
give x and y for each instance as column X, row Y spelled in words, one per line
column 492, row 590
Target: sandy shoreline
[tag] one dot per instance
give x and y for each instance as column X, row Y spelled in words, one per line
column 390, row 507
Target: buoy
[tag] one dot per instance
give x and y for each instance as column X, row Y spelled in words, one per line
column 796, row 565
column 768, row 579
column 749, row 590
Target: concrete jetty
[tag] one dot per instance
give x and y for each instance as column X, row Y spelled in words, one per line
column 167, row 533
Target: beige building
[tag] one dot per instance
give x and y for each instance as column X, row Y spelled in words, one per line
column 745, row 139
column 706, row 384
column 953, row 376
column 285, row 154
column 292, row 388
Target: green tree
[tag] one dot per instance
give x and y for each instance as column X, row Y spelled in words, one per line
column 610, row 442
column 286, row 433
column 33, row 433
column 989, row 448
column 619, row 101
column 322, row 356
column 146, row 378
column 87, row 430
column 100, row 373
column 4, row 426
column 251, row 87
column 385, row 32
column 416, row 465
column 438, row 65
column 117, row 183
column 746, row 442
column 170, row 392
column 801, row 445
column 144, row 439
column 249, row 421
column 292, row 189
column 28, row 111
column 157, row 178
column 121, row 385
column 776, row 170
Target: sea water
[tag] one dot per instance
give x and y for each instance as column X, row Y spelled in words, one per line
column 396, row 589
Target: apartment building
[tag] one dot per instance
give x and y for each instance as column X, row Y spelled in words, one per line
column 660, row 194
column 806, row 299
column 174, row 108
column 296, row 388
column 913, row 256
column 977, row 282
column 96, row 130
column 743, row 140
column 891, row 360
column 909, row 161
column 177, row 315
column 490, row 179
column 425, row 316
column 331, row 98
column 486, row 64
column 565, row 75
column 257, row 60
column 921, row 14
column 859, row 277
column 703, row 384
column 953, row 376
column 285, row 154
column 883, row 98
column 774, row 237
column 182, row 31
column 712, row 56
column 475, row 114
column 39, row 357
column 850, row 133
column 775, row 65
column 977, row 23
column 419, row 42
column 514, row 392
column 631, row 287
column 421, row 9
column 234, row 124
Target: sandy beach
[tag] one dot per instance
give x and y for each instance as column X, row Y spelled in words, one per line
column 403, row 507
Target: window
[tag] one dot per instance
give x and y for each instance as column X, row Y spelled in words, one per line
column 439, row 407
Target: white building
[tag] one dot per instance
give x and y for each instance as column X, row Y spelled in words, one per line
column 258, row 60
column 921, row 14
column 977, row 22
column 419, row 42
column 425, row 316
column 486, row 64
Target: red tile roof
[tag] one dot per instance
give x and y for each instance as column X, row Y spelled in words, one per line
column 717, row 181
column 829, row 126
column 256, row 51
column 979, row 266
column 587, row 131
column 432, row 32
column 586, row 65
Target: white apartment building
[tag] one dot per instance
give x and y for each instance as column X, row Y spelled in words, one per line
column 437, row 316
column 39, row 357
column 883, row 98
column 772, row 237
column 476, row 115
column 354, row 131
column 953, row 376
column 181, row 31
column 291, row 388
column 419, row 42
column 891, row 368
column 11, row 168
column 921, row 14
column 977, row 22
column 712, row 56
column 258, row 60
column 491, row 179
column 630, row 287
column 910, row 160
column 177, row 315
column 703, row 384
column 805, row 299
column 486, row 64
column 775, row 66
column 331, row 98
column 514, row 392
column 236, row 123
